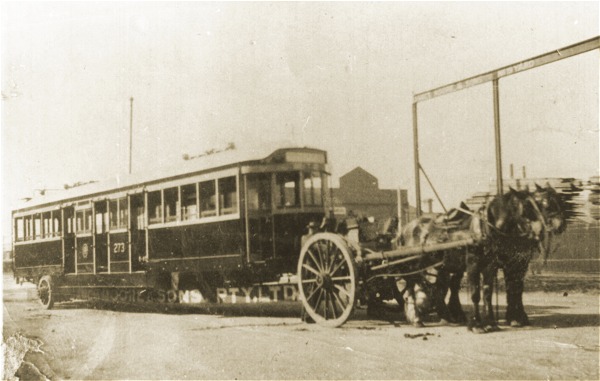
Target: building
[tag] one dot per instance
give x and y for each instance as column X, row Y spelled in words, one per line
column 359, row 195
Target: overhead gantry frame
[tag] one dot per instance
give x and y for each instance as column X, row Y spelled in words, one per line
column 494, row 77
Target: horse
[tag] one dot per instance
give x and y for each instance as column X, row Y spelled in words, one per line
column 506, row 219
column 544, row 209
column 458, row 224
column 509, row 228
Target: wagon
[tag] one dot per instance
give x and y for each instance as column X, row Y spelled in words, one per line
column 334, row 272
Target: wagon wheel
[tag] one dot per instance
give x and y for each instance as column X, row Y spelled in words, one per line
column 45, row 292
column 327, row 279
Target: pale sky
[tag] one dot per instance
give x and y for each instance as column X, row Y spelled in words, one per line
column 336, row 76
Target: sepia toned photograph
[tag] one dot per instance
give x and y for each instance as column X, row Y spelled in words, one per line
column 282, row 190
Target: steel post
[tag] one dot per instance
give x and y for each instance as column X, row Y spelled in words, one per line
column 499, row 183
column 416, row 159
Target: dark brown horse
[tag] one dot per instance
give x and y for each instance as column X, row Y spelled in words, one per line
column 507, row 219
column 545, row 211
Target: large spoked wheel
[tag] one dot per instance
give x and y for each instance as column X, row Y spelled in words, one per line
column 45, row 292
column 327, row 279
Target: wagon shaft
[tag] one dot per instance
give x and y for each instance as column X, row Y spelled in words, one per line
column 412, row 250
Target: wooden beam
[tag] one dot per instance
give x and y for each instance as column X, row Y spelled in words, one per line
column 543, row 59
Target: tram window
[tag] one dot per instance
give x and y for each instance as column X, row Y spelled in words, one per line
column 123, row 212
column 99, row 224
column 154, row 207
column 228, row 195
column 28, row 225
column 208, row 199
column 46, row 225
column 37, row 226
column 69, row 227
column 56, row 228
column 287, row 185
column 259, row 191
column 312, row 189
column 19, row 230
column 171, row 196
column 188, row 202
column 113, row 214
column 101, row 221
column 140, row 218
column 118, row 213
column 84, row 220
column 79, row 218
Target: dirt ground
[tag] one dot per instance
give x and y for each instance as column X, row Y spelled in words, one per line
column 91, row 341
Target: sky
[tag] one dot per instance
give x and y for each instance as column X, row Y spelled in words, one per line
column 339, row 76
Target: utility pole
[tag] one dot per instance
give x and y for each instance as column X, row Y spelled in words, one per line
column 130, row 131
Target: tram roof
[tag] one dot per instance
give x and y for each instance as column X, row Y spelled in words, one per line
column 202, row 163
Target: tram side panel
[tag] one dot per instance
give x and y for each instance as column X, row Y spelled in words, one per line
column 37, row 258
column 85, row 254
column 212, row 246
column 119, row 252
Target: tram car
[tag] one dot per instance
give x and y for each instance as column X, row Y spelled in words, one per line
column 210, row 229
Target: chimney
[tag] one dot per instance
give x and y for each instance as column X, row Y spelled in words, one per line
column 429, row 202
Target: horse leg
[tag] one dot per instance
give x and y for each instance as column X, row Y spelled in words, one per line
column 456, row 311
column 521, row 315
column 489, row 276
column 514, row 274
column 456, row 269
column 473, row 279
column 440, row 290
column 411, row 311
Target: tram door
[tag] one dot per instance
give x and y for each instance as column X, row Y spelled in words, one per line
column 69, row 238
column 118, row 238
column 101, row 236
column 137, row 226
column 260, row 218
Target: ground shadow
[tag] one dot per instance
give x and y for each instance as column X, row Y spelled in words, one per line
column 278, row 309
column 548, row 317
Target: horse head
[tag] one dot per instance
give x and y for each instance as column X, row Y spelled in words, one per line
column 510, row 214
column 552, row 207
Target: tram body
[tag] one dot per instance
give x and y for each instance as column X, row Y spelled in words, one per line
column 220, row 221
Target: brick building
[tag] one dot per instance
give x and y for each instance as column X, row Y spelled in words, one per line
column 359, row 194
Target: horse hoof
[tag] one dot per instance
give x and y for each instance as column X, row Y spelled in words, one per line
column 515, row 324
column 418, row 324
column 492, row 328
column 445, row 322
column 477, row 330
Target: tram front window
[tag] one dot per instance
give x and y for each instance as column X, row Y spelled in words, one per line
column 154, row 207
column 259, row 191
column 312, row 189
column 227, row 195
column 287, row 189
column 171, row 203
column 19, row 230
